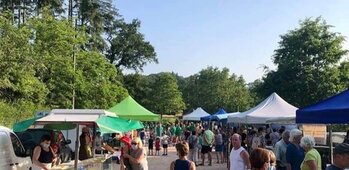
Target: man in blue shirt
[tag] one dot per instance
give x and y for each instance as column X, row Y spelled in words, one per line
column 294, row 153
column 280, row 151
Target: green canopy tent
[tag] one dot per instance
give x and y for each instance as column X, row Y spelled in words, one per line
column 24, row 125
column 130, row 109
column 109, row 124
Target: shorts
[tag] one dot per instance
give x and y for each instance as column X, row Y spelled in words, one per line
column 219, row 148
column 150, row 147
column 206, row 149
column 164, row 145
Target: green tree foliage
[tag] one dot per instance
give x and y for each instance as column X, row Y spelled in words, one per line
column 307, row 64
column 106, row 31
column 97, row 82
column 165, row 97
column 212, row 88
column 138, row 87
column 344, row 74
column 128, row 49
column 157, row 92
column 38, row 69
column 18, row 81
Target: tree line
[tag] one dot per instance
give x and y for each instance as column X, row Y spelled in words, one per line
column 72, row 54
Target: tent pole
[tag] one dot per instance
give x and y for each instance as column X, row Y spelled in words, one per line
column 76, row 147
column 331, row 143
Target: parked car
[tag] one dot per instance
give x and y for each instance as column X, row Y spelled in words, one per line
column 12, row 155
column 31, row 138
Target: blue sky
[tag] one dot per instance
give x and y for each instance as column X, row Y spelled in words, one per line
column 190, row 35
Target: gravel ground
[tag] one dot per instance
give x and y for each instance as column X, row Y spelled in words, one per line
column 163, row 162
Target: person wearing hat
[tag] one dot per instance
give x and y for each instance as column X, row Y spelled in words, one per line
column 340, row 157
column 125, row 145
column 85, row 150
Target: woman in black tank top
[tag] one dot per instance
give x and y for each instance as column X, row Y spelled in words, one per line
column 43, row 156
column 182, row 163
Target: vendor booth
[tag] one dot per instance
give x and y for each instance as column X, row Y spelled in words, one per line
column 273, row 108
column 333, row 110
column 130, row 109
column 105, row 120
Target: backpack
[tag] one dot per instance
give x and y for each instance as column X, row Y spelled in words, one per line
column 192, row 142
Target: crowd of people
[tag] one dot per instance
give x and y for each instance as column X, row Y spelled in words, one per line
column 248, row 148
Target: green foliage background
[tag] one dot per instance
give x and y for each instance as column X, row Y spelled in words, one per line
column 39, row 41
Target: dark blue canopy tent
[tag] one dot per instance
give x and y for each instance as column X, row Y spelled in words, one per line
column 333, row 110
column 212, row 117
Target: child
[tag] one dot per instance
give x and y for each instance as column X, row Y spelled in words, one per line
column 157, row 146
column 164, row 142
column 150, row 145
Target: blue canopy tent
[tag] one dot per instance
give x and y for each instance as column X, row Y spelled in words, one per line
column 223, row 117
column 333, row 110
column 212, row 117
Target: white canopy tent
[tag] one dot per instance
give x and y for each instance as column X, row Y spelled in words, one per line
column 74, row 115
column 196, row 115
column 272, row 110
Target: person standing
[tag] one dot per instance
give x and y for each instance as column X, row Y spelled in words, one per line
column 312, row 159
column 85, row 150
column 151, row 145
column 157, row 146
column 193, row 147
column 274, row 137
column 178, row 133
column 159, row 129
column 43, row 155
column 238, row 158
column 207, row 142
column 218, row 146
column 142, row 136
column 199, row 144
column 340, row 157
column 137, row 156
column 294, row 153
column 258, row 140
column 280, row 151
column 164, row 142
column 182, row 163
column 125, row 146
column 260, row 159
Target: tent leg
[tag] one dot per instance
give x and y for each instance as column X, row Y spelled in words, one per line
column 76, row 148
column 331, row 143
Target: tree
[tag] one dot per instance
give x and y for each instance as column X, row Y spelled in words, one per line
column 128, row 49
column 94, row 79
column 212, row 89
column 165, row 97
column 138, row 86
column 307, row 64
column 18, row 81
column 97, row 82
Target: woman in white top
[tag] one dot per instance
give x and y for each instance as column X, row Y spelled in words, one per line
column 239, row 158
